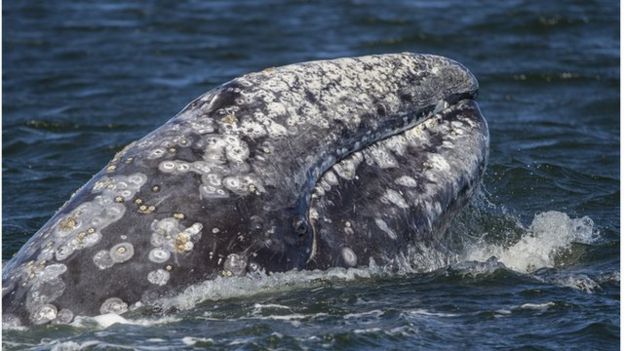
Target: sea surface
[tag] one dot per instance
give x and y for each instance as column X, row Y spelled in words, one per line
column 538, row 266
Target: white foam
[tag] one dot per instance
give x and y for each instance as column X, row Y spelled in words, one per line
column 550, row 234
column 374, row 313
column 104, row 321
column 253, row 284
column 288, row 317
column 191, row 341
column 423, row 312
column 72, row 345
column 537, row 306
column 260, row 306
column 367, row 330
column 575, row 281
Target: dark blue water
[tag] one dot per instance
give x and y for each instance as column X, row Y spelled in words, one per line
column 82, row 80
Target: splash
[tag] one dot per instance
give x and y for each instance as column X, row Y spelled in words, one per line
column 549, row 237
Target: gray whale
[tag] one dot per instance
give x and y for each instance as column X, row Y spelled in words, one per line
column 307, row 166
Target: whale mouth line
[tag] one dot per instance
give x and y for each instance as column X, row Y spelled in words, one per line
column 413, row 118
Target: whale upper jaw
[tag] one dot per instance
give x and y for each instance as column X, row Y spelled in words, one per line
column 226, row 186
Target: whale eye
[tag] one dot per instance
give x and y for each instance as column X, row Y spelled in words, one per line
column 300, row 225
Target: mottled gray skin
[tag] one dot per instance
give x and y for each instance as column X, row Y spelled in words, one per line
column 225, row 187
column 392, row 201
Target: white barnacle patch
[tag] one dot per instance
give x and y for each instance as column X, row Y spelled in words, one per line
column 323, row 184
column 181, row 141
column 52, row 271
column 156, row 154
column 43, row 314
column 318, row 191
column 210, row 192
column 167, row 166
column 158, row 277
column 348, row 230
column 381, row 224
column 159, row 255
column 276, row 109
column 44, row 286
column 347, row 168
column 122, row 252
column 330, row 178
column 169, row 236
column 213, row 179
column 224, row 166
column 113, row 213
column 68, row 225
column 113, row 305
column 111, row 187
column 201, row 167
column 398, row 144
column 103, row 259
column 380, row 156
column 89, row 239
column 182, row 167
column 43, row 292
column 47, row 252
column 233, row 184
column 183, row 242
column 458, row 127
column 166, row 225
column 202, row 125
column 439, row 162
column 194, row 229
column 174, row 167
column 392, row 196
column 242, row 185
column 253, row 129
column 406, row 181
column 349, row 257
column 236, row 150
column 64, row 251
column 214, row 151
column 82, row 227
column 235, row 264
column 276, row 130
column 157, row 239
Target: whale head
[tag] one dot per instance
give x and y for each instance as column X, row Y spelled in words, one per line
column 230, row 185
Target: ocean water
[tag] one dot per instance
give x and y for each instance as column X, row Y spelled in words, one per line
column 537, row 263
